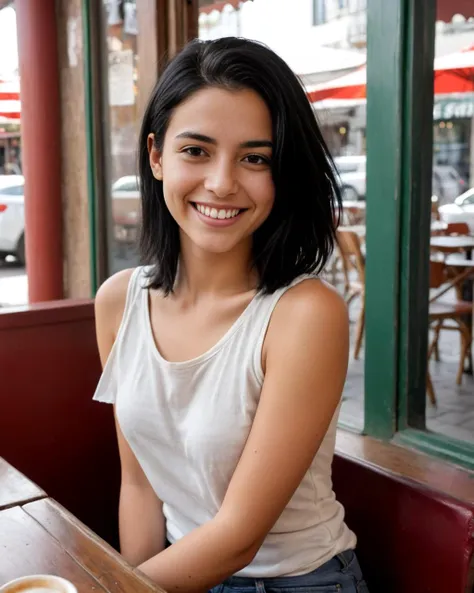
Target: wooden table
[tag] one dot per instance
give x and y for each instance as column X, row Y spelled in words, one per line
column 42, row 537
column 361, row 229
column 15, row 488
column 464, row 242
column 458, row 242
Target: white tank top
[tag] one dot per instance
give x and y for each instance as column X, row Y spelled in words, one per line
column 187, row 424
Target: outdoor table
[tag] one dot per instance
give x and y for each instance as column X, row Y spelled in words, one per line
column 41, row 537
column 464, row 242
column 15, row 488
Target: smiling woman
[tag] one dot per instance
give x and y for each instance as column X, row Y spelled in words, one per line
column 226, row 413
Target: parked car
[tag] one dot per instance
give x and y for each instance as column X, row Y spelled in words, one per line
column 461, row 210
column 351, row 171
column 12, row 216
column 446, row 181
column 126, row 208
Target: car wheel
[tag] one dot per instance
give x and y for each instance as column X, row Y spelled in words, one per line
column 349, row 194
column 20, row 251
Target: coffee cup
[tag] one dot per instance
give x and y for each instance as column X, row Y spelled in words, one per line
column 39, row 583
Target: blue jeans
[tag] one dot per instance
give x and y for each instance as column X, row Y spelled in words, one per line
column 341, row 574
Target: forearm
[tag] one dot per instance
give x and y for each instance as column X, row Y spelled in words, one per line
column 141, row 524
column 199, row 561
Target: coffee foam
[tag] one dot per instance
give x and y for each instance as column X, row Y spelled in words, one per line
column 39, row 584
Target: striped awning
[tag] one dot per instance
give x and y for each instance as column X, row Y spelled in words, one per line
column 10, row 99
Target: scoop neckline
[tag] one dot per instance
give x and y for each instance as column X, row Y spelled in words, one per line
column 212, row 351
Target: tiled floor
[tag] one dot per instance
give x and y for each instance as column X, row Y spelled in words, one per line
column 454, row 414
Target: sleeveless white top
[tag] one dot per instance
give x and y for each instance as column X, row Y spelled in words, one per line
column 187, row 424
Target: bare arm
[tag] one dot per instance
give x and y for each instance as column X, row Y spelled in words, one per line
column 306, row 364
column 141, row 521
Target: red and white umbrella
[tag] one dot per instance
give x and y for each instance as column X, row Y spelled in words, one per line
column 454, row 73
column 10, row 100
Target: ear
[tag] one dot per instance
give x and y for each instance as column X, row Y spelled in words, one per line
column 155, row 158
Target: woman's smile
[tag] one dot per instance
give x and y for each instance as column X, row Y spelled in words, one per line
column 215, row 215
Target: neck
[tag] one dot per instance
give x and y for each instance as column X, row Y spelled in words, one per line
column 214, row 274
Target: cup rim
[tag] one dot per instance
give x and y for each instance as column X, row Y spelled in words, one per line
column 67, row 586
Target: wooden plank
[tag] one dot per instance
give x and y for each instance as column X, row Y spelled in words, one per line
column 426, row 470
column 88, row 550
column 26, row 549
column 15, row 488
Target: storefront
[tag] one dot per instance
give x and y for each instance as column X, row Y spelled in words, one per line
column 454, row 135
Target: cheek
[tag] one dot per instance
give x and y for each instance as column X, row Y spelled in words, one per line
column 179, row 181
column 264, row 193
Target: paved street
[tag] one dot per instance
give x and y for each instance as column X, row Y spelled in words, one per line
column 454, row 414
column 13, row 284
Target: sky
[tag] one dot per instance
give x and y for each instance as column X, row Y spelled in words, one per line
column 8, row 47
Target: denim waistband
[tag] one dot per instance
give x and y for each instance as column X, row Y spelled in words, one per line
column 339, row 561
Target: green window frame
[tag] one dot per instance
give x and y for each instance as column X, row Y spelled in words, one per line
column 401, row 36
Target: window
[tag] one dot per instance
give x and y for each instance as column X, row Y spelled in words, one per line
column 12, row 190
column 126, row 184
column 319, row 12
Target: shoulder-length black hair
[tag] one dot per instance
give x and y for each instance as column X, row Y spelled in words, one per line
column 298, row 236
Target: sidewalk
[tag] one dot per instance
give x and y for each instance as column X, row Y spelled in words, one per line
column 13, row 285
column 454, row 414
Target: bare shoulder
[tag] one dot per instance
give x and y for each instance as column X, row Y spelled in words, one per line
column 309, row 326
column 110, row 302
column 311, row 314
column 311, row 301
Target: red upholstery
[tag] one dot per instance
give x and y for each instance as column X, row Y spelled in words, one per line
column 411, row 539
column 49, row 427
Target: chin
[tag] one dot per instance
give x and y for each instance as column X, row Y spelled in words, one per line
column 214, row 245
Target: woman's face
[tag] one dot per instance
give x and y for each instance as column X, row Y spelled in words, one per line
column 216, row 168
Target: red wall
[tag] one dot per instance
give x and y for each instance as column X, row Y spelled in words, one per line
column 50, row 429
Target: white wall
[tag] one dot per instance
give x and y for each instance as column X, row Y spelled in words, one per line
column 287, row 27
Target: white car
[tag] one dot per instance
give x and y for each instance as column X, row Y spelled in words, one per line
column 12, row 216
column 446, row 181
column 126, row 208
column 462, row 210
column 351, row 171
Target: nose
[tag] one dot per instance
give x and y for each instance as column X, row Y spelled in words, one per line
column 221, row 179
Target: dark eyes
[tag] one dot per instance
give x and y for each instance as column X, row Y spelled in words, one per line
column 256, row 159
column 194, row 151
column 252, row 159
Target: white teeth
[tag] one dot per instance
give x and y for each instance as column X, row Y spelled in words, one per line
column 215, row 213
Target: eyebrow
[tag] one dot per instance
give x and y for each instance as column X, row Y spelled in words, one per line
column 209, row 140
